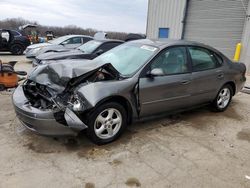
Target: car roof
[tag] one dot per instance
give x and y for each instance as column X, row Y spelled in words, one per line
column 108, row 40
column 163, row 43
column 70, row 36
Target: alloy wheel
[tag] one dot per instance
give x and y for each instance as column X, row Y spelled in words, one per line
column 108, row 123
column 223, row 98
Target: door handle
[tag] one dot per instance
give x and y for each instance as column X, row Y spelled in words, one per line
column 185, row 82
column 220, row 76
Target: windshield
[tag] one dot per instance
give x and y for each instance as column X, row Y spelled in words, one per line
column 90, row 46
column 59, row 40
column 127, row 58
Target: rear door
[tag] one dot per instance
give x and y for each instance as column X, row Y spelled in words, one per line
column 207, row 74
column 169, row 91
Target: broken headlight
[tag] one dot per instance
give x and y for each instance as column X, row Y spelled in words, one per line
column 77, row 104
column 35, row 50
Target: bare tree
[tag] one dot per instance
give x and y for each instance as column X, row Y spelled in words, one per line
column 15, row 23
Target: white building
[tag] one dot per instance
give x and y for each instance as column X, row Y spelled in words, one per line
column 218, row 23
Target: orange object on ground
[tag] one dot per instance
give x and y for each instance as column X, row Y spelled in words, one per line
column 8, row 79
column 8, row 76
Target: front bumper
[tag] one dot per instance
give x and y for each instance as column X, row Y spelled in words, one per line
column 29, row 53
column 40, row 121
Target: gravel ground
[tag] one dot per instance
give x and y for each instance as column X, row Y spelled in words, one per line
column 198, row 148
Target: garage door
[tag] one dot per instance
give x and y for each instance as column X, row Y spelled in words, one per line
column 218, row 23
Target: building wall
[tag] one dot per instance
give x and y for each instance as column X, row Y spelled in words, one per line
column 218, row 23
column 165, row 14
column 245, row 55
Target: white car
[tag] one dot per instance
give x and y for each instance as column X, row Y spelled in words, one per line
column 68, row 41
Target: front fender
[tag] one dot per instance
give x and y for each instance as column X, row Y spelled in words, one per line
column 95, row 93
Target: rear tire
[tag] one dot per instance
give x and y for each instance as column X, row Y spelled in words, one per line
column 106, row 123
column 223, row 98
column 16, row 49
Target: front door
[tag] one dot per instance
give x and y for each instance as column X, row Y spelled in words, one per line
column 169, row 91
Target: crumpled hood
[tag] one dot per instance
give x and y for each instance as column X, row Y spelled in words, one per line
column 56, row 76
column 60, row 54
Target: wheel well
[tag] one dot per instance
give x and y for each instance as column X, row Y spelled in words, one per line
column 17, row 43
column 120, row 100
column 232, row 84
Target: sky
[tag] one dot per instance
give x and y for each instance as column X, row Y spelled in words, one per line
column 103, row 15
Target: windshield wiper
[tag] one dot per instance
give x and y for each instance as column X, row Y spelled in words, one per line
column 123, row 77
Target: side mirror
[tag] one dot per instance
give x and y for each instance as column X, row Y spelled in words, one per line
column 99, row 52
column 155, row 72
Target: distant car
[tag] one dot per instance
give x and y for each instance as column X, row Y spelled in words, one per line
column 12, row 41
column 135, row 80
column 134, row 36
column 65, row 42
column 89, row 50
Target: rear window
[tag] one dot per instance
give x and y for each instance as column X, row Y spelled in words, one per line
column 202, row 59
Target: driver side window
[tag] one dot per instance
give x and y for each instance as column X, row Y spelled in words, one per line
column 171, row 61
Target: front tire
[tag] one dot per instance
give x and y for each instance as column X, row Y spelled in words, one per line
column 17, row 49
column 106, row 123
column 223, row 98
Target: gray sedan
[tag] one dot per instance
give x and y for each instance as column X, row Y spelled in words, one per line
column 132, row 81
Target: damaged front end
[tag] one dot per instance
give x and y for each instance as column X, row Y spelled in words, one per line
column 51, row 96
column 63, row 106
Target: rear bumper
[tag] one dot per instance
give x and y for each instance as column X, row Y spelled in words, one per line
column 39, row 121
column 240, row 84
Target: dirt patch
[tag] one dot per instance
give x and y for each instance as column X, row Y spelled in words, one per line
column 71, row 144
column 10, row 174
column 133, row 182
column 40, row 148
column 200, row 123
column 89, row 185
column 172, row 120
column 244, row 135
column 92, row 153
column 115, row 162
column 199, row 118
column 125, row 138
column 84, row 147
column 88, row 150
column 232, row 113
column 202, row 118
